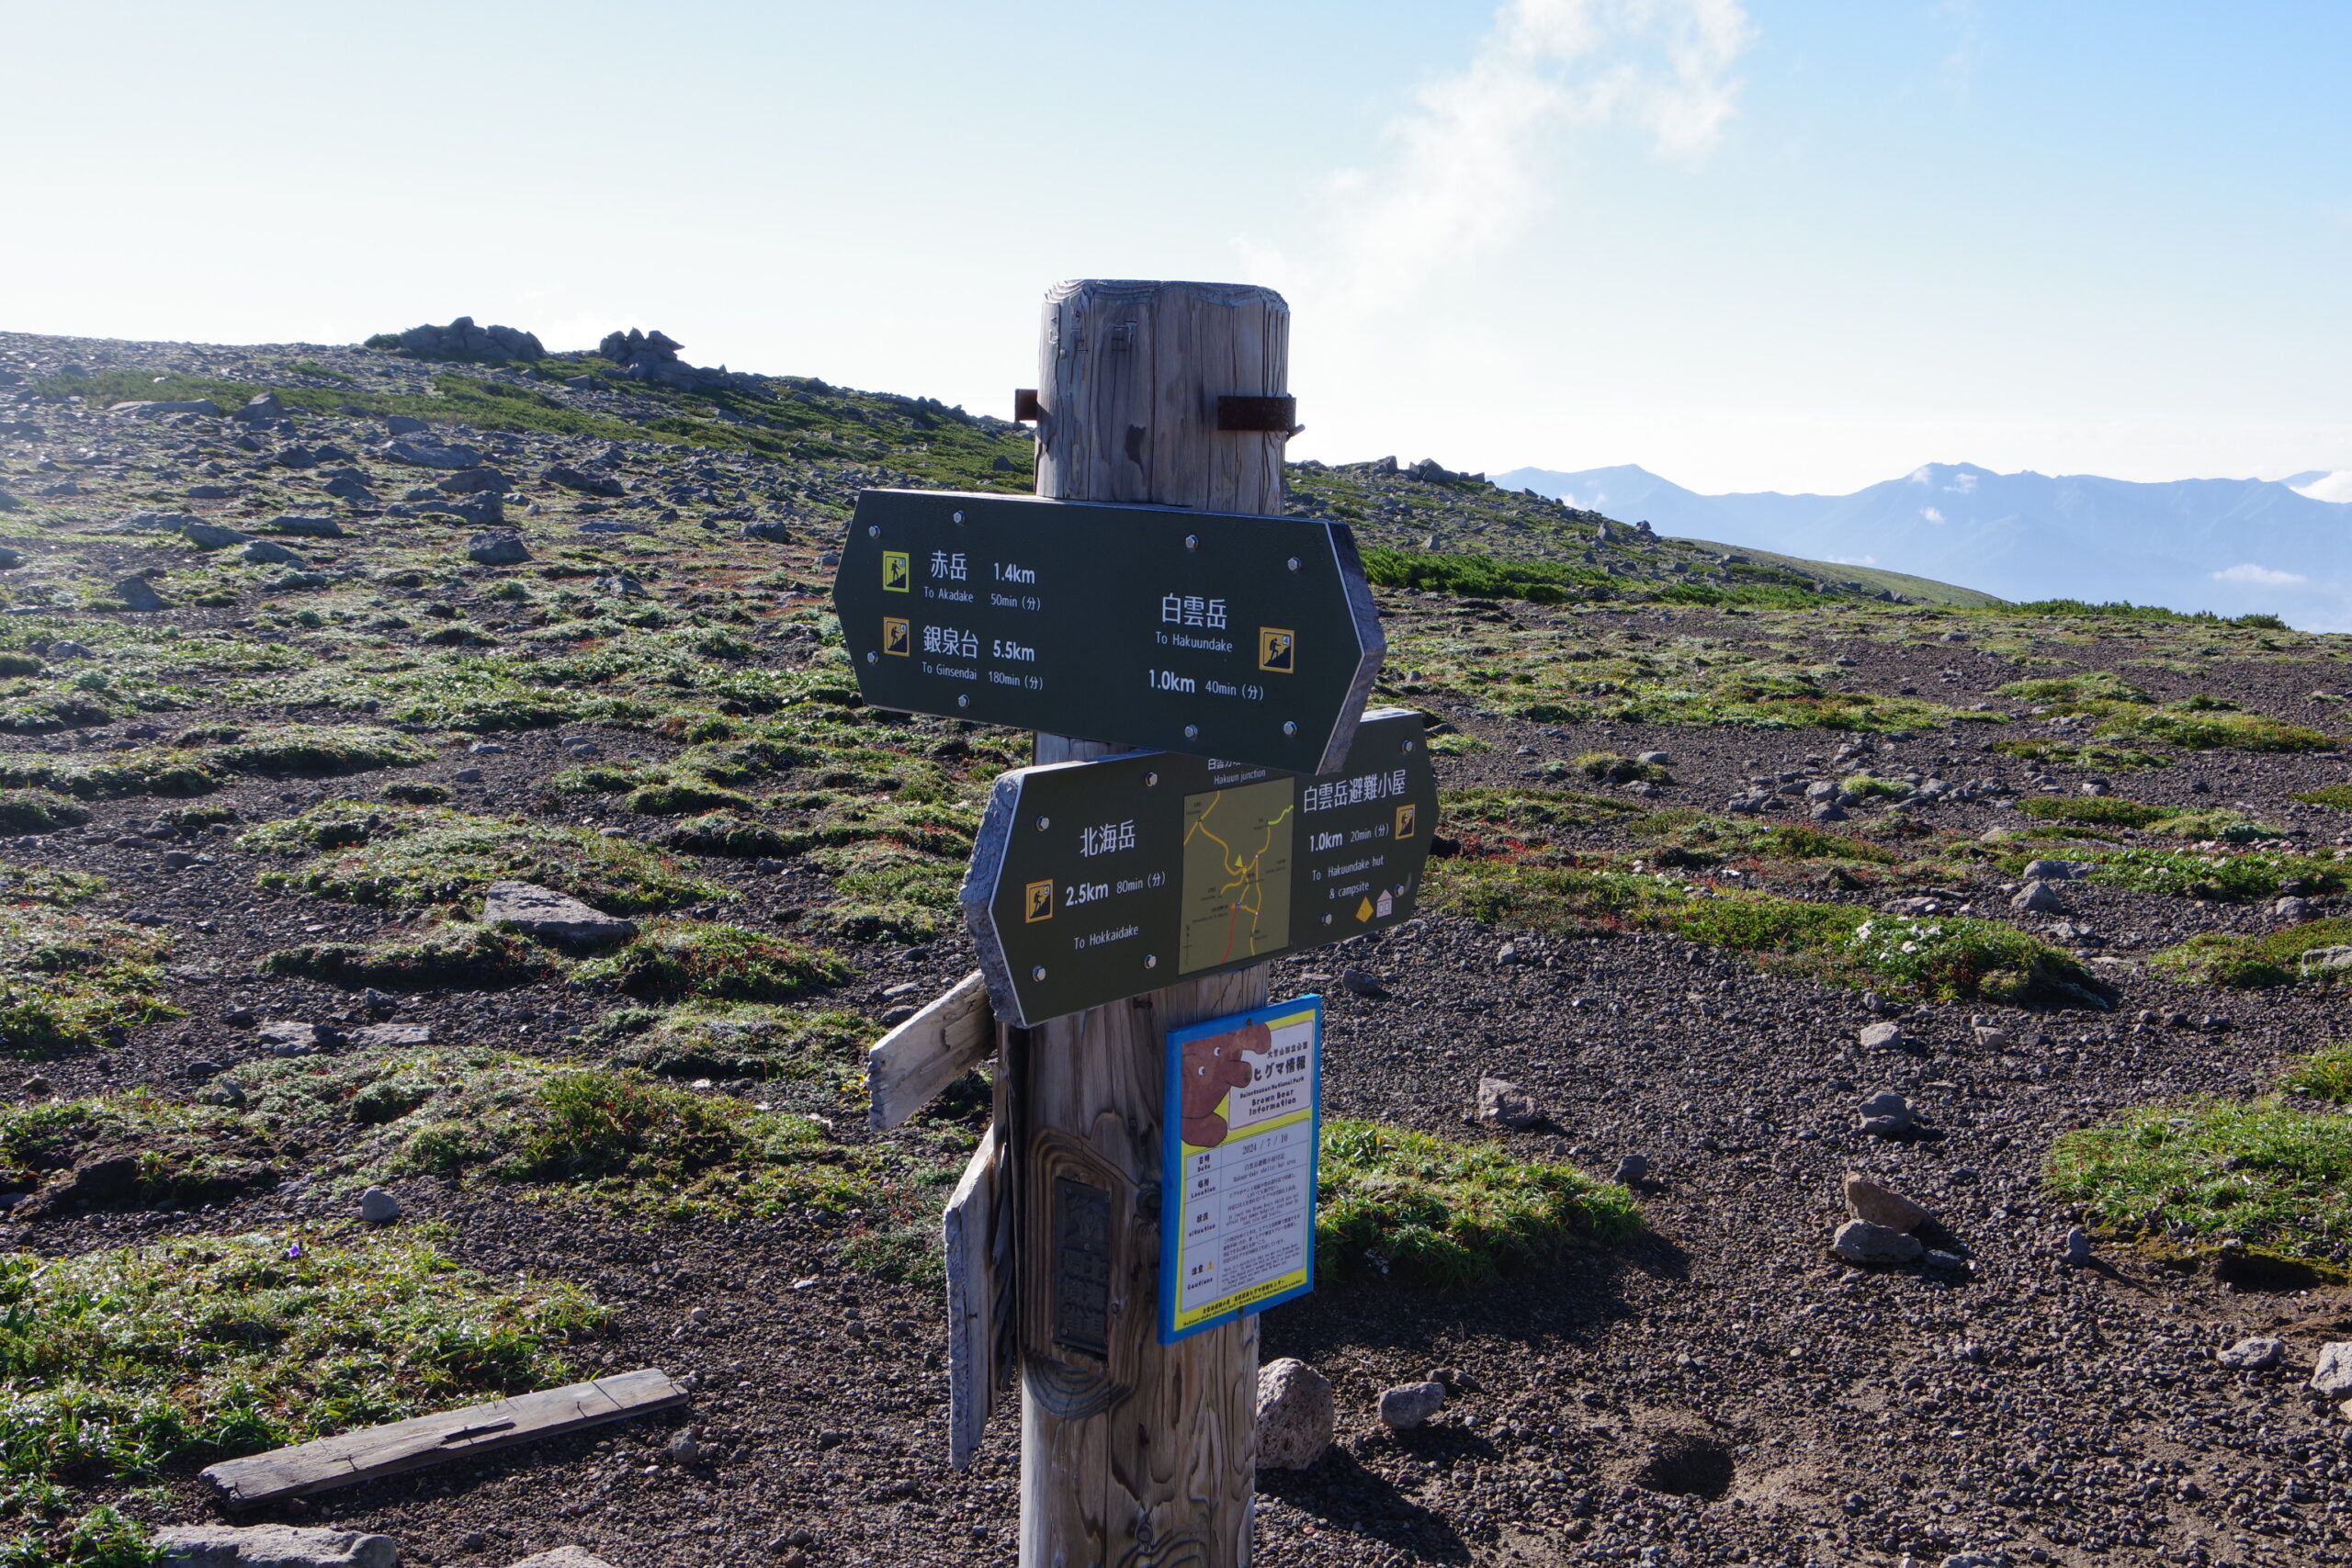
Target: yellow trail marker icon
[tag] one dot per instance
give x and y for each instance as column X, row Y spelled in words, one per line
column 1364, row 910
column 897, row 572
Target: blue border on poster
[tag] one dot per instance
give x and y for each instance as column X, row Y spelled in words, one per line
column 1171, row 1163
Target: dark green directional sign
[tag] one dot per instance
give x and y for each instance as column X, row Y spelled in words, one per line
column 1202, row 632
column 1094, row 881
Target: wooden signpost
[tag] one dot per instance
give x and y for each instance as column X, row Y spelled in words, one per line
column 1162, row 408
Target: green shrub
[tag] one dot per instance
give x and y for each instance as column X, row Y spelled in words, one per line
column 2194, row 731
column 457, row 953
column 1607, row 767
column 416, row 791
column 739, row 1040
column 1400, row 1202
column 314, row 750
column 2100, row 810
column 720, row 834
column 73, row 982
column 2261, row 1172
column 2338, row 795
column 123, row 1365
column 708, row 959
column 2216, row 958
column 2235, row 878
column 2325, row 1074
column 2094, row 685
column 37, row 812
column 683, row 797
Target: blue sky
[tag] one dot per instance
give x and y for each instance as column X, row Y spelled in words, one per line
column 1747, row 245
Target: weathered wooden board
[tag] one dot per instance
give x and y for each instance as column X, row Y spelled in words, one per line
column 978, row 1233
column 446, row 1435
column 947, row 1039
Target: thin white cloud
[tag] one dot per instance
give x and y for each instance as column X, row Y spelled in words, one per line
column 2263, row 576
column 2337, row 486
column 1472, row 153
column 1851, row 560
column 1932, row 514
column 1962, row 484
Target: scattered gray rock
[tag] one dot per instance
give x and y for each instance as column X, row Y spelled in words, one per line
column 1362, row 982
column 379, row 1207
column 158, row 521
column 2326, row 961
column 683, row 1449
column 311, row 527
column 1859, row 1241
column 402, row 425
column 497, row 549
column 1882, row 1205
column 262, row 408
column 1504, row 1104
column 1656, row 759
column 2294, row 911
column 1829, row 811
column 212, row 536
column 1409, row 1404
column 2075, row 1247
column 773, row 532
column 267, row 552
column 204, row 406
column 545, row 915
column 1296, row 1415
column 2258, row 1354
column 1633, row 1169
column 2053, row 871
column 2037, row 898
column 1887, row 1115
column 2332, row 1371
column 1885, row 1036
column 138, row 593
column 290, row 1037
column 471, row 482
column 581, row 1557
column 424, row 456
column 273, row 1546
column 578, row 480
column 387, row 1036
column 66, row 647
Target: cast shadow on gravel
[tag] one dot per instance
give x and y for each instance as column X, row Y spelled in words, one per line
column 1573, row 1299
column 1338, row 1490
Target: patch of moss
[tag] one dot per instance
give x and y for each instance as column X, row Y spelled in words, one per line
column 72, row 982
column 2277, row 958
column 718, row 833
column 2260, row 1172
column 742, row 1039
column 456, row 954
column 405, row 856
column 1403, row 1203
column 710, row 959
column 39, row 811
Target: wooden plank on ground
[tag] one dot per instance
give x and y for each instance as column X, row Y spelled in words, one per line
column 446, row 1435
column 976, row 1235
column 941, row 1043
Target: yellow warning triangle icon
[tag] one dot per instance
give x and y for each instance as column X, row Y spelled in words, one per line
column 1364, row 910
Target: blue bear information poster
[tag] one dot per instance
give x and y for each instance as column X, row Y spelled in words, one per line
column 1237, row 1228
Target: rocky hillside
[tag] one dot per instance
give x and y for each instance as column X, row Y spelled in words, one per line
column 1865, row 1082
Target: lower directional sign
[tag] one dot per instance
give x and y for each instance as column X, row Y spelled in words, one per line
column 1095, row 881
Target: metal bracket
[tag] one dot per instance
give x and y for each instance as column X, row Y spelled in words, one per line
column 1279, row 416
column 1026, row 409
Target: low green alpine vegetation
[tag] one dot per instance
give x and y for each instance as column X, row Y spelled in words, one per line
column 2337, row 795
column 2325, row 1074
column 185, row 1153
column 2098, row 810
column 126, row 1365
column 2235, row 878
column 1405, row 1204
column 2263, row 1173
column 708, row 959
column 39, row 811
column 725, row 1040
column 2277, row 958
column 72, row 982
column 310, row 751
column 458, row 954
column 398, row 856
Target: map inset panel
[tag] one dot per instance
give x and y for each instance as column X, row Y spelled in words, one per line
column 1237, row 874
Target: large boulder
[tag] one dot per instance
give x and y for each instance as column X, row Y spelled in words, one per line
column 653, row 356
column 138, row 593
column 545, row 915
column 1859, row 1241
column 201, row 405
column 463, row 340
column 212, row 536
column 1296, row 1415
column 425, row 455
column 1880, row 1204
column 262, row 408
column 273, row 1546
column 309, row 527
column 497, row 549
column 580, row 480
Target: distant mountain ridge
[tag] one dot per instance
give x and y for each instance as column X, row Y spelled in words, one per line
column 2229, row 546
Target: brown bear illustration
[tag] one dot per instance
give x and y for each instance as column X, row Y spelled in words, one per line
column 1213, row 1066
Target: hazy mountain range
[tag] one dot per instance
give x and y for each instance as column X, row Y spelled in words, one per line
column 2231, row 546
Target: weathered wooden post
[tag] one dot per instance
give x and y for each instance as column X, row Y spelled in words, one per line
column 1133, row 1453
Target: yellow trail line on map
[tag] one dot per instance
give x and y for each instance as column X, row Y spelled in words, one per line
column 1245, row 873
